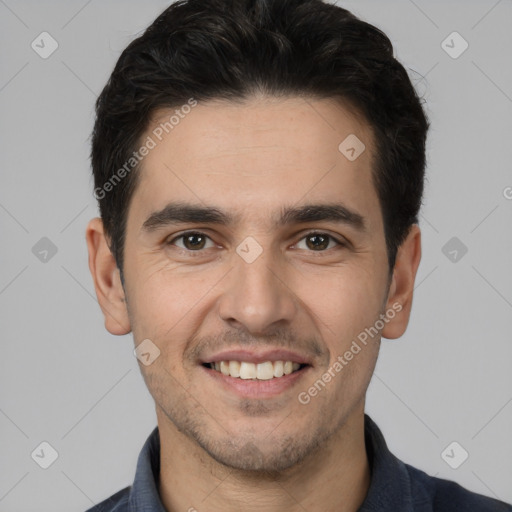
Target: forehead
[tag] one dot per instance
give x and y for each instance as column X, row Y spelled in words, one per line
column 250, row 159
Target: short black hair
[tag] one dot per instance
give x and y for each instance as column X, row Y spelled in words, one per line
column 232, row 49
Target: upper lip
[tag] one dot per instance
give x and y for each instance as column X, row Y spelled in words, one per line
column 256, row 357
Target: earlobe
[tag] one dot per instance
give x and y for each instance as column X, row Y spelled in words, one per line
column 402, row 284
column 107, row 281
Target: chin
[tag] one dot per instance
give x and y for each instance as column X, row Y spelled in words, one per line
column 261, row 456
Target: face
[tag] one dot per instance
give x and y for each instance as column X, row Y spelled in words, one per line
column 260, row 283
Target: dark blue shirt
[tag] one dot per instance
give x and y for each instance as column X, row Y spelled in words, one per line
column 395, row 486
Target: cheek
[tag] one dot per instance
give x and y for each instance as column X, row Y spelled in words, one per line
column 165, row 304
column 345, row 301
column 344, row 305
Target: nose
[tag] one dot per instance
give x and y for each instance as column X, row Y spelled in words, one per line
column 257, row 295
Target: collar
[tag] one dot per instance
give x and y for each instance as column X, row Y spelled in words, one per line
column 390, row 485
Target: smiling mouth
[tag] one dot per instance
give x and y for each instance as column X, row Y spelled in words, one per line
column 251, row 371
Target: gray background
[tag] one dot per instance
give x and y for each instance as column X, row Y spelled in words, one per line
column 67, row 381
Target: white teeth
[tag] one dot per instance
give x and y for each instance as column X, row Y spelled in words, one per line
column 261, row 371
column 265, row 371
column 247, row 370
column 224, row 367
column 234, row 368
column 278, row 369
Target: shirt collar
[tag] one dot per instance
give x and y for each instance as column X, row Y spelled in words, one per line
column 144, row 495
column 390, row 486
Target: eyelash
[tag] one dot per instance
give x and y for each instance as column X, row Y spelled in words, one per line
column 199, row 251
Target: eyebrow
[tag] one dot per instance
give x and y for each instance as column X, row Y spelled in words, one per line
column 183, row 213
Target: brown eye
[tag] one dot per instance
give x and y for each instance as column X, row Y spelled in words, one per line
column 319, row 242
column 192, row 241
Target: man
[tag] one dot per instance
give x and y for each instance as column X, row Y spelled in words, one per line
column 259, row 168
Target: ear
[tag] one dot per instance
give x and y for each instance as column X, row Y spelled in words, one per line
column 107, row 279
column 402, row 284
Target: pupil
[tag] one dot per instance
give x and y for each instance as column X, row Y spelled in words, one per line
column 322, row 244
column 191, row 237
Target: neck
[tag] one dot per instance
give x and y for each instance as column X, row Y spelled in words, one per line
column 335, row 478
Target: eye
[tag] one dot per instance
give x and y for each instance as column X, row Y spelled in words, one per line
column 193, row 241
column 319, row 242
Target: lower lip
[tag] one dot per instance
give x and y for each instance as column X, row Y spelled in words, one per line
column 249, row 388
